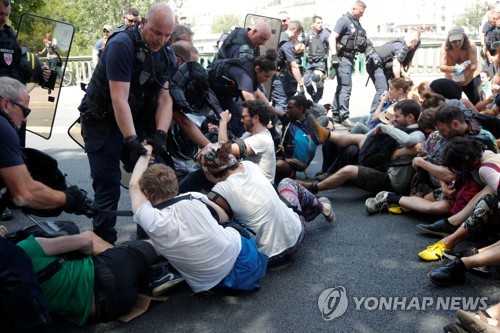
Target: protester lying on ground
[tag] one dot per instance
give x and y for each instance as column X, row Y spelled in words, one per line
column 246, row 194
column 185, row 230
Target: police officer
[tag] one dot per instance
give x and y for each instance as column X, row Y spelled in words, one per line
column 244, row 42
column 21, row 300
column 317, row 50
column 347, row 39
column 129, row 19
column 389, row 61
column 289, row 76
column 127, row 100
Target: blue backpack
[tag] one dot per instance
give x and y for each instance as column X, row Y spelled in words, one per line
column 300, row 148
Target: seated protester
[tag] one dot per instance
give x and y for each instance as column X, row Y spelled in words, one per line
column 103, row 283
column 237, row 80
column 468, row 156
column 243, row 190
column 375, row 170
column 435, row 194
column 185, row 230
column 300, row 135
column 255, row 145
column 398, row 89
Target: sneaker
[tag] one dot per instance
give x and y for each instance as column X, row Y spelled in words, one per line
column 336, row 119
column 433, row 252
column 397, row 210
column 310, row 186
column 448, row 274
column 6, row 215
column 327, row 210
column 166, row 280
column 441, row 227
column 347, row 123
column 376, row 204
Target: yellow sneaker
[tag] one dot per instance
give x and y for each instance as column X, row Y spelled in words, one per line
column 397, row 210
column 433, row 252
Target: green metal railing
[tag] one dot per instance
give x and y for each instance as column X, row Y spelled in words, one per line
column 425, row 63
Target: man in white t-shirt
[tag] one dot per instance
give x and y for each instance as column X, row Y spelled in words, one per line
column 185, row 230
column 252, row 200
column 255, row 145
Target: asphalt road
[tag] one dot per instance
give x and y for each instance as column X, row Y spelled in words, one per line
column 372, row 258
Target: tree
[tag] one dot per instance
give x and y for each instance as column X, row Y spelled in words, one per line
column 307, row 23
column 17, row 8
column 472, row 16
column 224, row 23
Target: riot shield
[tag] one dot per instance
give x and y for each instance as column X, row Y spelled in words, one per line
column 46, row 45
column 272, row 43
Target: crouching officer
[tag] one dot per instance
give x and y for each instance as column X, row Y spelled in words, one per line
column 127, row 101
column 21, row 301
column 317, row 50
column 389, row 61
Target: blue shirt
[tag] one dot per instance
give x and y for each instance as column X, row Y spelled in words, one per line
column 10, row 149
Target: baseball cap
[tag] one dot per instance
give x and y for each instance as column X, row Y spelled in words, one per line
column 456, row 33
column 107, row 27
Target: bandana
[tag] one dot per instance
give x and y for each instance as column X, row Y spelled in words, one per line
column 215, row 157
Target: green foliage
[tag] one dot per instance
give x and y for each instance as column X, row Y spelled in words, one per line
column 225, row 22
column 307, row 23
column 472, row 15
column 18, row 7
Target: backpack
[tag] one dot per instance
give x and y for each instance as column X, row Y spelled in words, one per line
column 304, row 147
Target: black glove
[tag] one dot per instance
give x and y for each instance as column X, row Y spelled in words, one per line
column 78, row 203
column 135, row 149
column 335, row 61
column 302, row 91
column 159, row 142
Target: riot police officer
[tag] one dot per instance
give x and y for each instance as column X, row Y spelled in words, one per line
column 127, row 101
column 389, row 61
column 348, row 38
column 317, row 50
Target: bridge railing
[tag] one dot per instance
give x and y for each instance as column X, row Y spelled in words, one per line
column 425, row 63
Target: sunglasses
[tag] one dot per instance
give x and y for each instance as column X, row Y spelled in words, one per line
column 26, row 111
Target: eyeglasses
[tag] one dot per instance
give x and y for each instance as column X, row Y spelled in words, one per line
column 26, row 111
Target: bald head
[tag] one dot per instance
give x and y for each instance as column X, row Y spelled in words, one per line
column 157, row 26
column 259, row 34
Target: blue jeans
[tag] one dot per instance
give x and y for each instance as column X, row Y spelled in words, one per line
column 284, row 87
column 340, row 105
column 316, row 94
column 21, row 301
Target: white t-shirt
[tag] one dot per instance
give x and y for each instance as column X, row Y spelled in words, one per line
column 255, row 202
column 189, row 237
column 263, row 146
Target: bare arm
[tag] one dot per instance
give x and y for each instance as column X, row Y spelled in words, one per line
column 396, row 68
column 188, row 127
column 95, row 57
column 123, row 114
column 438, row 171
column 65, row 244
column 225, row 117
column 294, row 67
column 223, row 217
column 164, row 105
column 137, row 196
column 333, row 42
column 28, row 192
column 443, row 60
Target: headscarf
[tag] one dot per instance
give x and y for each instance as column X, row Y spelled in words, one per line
column 216, row 157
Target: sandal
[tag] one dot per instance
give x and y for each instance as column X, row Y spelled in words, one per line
column 310, row 186
column 474, row 324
